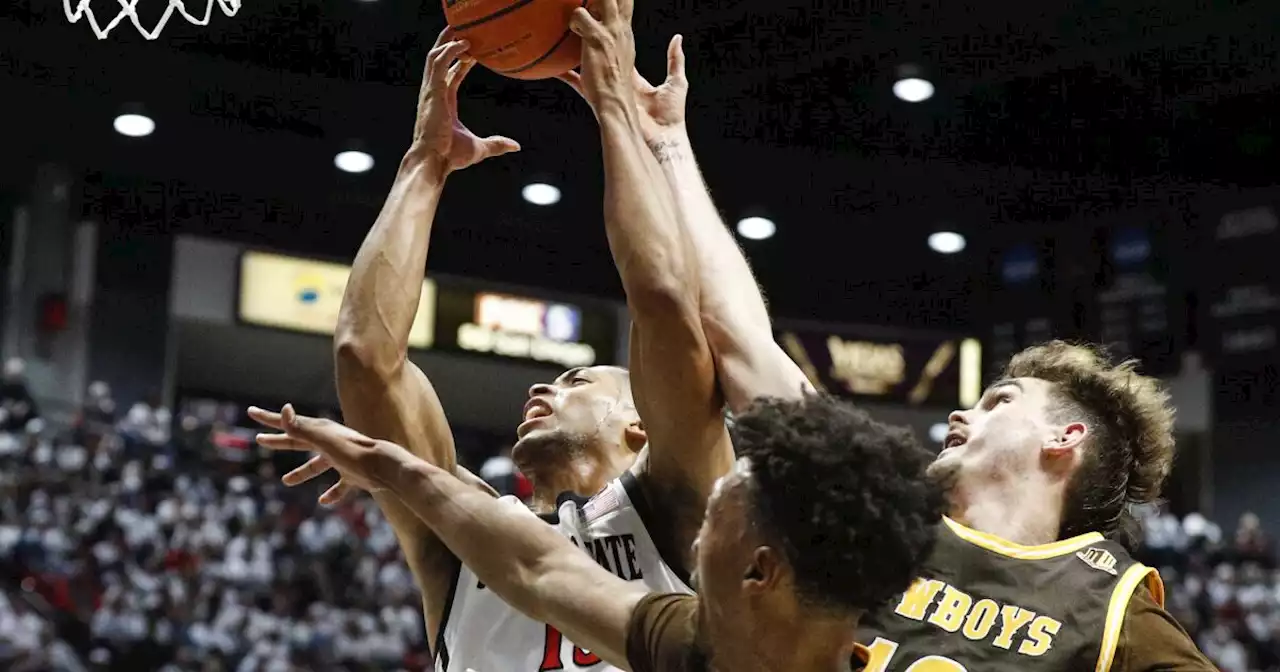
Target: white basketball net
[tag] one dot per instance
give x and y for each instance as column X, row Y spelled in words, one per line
column 128, row 10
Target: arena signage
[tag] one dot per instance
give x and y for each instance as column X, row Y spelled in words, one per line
column 522, row 328
column 1240, row 297
column 913, row 369
column 305, row 295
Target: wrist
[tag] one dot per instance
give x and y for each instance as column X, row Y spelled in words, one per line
column 675, row 134
column 423, row 163
column 620, row 120
column 671, row 147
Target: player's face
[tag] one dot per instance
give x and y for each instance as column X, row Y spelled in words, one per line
column 578, row 405
column 1003, row 433
column 723, row 551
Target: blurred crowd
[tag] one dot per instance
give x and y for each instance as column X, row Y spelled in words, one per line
column 124, row 547
column 1223, row 587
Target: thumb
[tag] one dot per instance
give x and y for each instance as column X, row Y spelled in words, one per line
column 574, row 80
column 497, row 145
column 675, row 57
column 300, row 426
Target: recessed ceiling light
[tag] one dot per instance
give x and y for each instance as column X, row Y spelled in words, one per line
column 353, row 161
column 756, row 228
column 913, row 89
column 946, row 242
column 540, row 193
column 134, row 125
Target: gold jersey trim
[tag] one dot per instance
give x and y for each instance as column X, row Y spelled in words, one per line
column 1119, row 606
column 1019, row 551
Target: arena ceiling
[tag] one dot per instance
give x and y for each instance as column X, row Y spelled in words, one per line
column 1044, row 111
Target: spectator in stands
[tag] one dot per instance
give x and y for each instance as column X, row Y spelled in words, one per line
column 1251, row 543
column 1162, row 533
column 97, row 415
column 1224, row 650
column 27, row 642
column 501, row 474
column 203, row 565
column 148, row 422
column 17, row 406
column 1201, row 532
column 1225, row 594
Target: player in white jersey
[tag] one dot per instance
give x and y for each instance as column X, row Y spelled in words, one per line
column 660, row 427
column 610, row 528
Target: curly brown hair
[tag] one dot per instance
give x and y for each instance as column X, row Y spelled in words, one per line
column 1131, row 421
column 845, row 497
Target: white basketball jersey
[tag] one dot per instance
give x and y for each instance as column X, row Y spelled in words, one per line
column 480, row 632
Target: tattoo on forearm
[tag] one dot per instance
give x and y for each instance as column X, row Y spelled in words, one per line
column 667, row 151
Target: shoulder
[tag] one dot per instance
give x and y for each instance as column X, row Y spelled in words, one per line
column 662, row 633
column 1151, row 639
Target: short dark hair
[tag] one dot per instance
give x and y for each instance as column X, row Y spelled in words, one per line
column 845, row 496
column 1131, row 422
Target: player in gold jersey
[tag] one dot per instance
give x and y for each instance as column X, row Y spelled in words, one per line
column 1031, row 570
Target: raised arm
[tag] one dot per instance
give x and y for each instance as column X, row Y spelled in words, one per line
column 672, row 372
column 522, row 559
column 381, row 391
column 734, row 315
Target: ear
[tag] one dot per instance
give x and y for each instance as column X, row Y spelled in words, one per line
column 1068, row 440
column 765, row 571
column 634, row 436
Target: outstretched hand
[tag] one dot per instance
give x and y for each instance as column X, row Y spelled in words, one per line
column 363, row 462
column 608, row 53
column 438, row 133
column 661, row 108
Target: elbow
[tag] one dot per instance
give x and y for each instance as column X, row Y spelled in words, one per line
column 720, row 338
column 357, row 356
column 659, row 299
column 660, row 292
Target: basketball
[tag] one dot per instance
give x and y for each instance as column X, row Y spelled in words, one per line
column 524, row 39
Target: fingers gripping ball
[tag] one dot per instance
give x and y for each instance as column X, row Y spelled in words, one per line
column 524, row 39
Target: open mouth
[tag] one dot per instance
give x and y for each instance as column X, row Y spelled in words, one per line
column 954, row 440
column 534, row 409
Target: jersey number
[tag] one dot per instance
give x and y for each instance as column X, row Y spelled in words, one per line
column 882, row 651
column 553, row 658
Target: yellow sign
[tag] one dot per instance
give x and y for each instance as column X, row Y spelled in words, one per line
column 306, row 295
column 867, row 368
column 914, row 370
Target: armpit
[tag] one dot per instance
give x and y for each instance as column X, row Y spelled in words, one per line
column 672, row 513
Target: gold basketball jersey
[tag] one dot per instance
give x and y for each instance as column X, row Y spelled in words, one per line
column 984, row 603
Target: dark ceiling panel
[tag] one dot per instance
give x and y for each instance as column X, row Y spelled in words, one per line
column 1045, row 112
